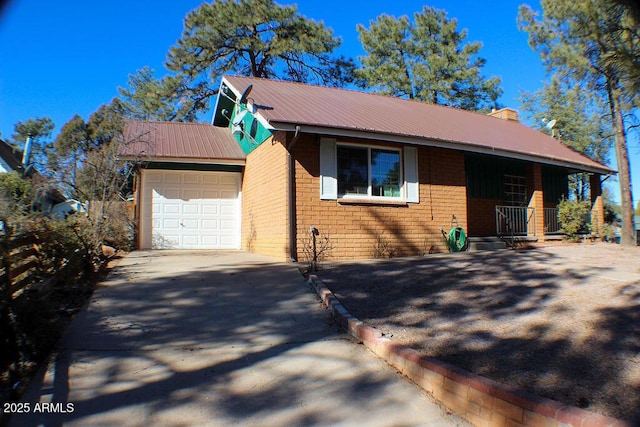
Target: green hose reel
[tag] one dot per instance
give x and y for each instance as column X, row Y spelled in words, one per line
column 456, row 239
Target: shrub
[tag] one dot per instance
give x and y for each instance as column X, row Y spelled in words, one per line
column 316, row 246
column 609, row 232
column 16, row 197
column 574, row 217
column 383, row 247
column 62, row 243
column 88, row 232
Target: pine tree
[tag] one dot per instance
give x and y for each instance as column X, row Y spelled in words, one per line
column 577, row 122
column 584, row 41
column 426, row 59
column 256, row 38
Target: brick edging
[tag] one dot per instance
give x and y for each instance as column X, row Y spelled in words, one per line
column 481, row 401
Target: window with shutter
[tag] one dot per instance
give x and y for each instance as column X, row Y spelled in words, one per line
column 359, row 171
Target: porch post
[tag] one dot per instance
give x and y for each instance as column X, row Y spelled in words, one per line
column 597, row 205
column 536, row 225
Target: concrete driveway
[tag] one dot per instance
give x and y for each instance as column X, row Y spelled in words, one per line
column 216, row 338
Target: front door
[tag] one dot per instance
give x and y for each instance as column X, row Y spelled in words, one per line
column 514, row 211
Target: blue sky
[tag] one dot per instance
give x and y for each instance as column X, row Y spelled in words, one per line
column 58, row 59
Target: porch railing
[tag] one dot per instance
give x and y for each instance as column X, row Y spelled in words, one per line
column 515, row 221
column 551, row 223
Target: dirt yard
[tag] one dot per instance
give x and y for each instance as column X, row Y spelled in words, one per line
column 561, row 321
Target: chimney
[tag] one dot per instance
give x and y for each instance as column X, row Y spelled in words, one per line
column 505, row 114
column 27, row 151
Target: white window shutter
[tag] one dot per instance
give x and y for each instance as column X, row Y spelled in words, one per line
column 411, row 185
column 328, row 169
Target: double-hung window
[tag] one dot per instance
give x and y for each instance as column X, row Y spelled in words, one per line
column 368, row 172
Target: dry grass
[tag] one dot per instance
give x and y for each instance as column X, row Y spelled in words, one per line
column 561, row 321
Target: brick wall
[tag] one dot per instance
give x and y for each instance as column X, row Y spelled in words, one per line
column 366, row 230
column 363, row 230
column 265, row 209
column 534, row 183
column 597, row 204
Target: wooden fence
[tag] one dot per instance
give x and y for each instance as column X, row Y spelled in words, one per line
column 30, row 267
column 31, row 259
column 21, row 264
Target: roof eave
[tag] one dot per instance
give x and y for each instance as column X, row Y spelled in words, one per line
column 467, row 147
column 215, row 161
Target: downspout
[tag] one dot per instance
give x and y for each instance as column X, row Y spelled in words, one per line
column 291, row 172
column 137, row 183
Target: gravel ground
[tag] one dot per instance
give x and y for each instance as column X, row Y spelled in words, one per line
column 561, row 321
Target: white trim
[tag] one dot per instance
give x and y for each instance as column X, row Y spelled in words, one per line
column 256, row 115
column 328, row 169
column 370, row 196
column 411, row 180
column 263, row 121
column 146, row 204
column 235, row 91
column 182, row 160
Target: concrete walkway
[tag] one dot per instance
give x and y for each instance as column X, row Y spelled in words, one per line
column 217, row 338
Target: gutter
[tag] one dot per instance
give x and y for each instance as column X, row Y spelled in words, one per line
column 291, row 178
column 461, row 146
column 188, row 160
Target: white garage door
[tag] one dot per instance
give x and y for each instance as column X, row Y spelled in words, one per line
column 190, row 210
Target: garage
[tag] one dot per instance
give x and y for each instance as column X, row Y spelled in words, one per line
column 190, row 209
column 188, row 186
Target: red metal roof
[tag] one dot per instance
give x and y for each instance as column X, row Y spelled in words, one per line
column 346, row 112
column 178, row 140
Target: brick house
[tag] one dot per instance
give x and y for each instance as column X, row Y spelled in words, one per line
column 376, row 174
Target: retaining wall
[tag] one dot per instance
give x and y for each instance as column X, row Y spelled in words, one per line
column 481, row 401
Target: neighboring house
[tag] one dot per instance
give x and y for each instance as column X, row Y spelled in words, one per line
column 9, row 159
column 47, row 197
column 370, row 172
column 68, row 207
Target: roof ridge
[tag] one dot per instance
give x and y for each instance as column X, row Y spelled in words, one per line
column 169, row 122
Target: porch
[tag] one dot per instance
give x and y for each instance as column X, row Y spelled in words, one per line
column 521, row 222
column 519, row 200
column 517, row 225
